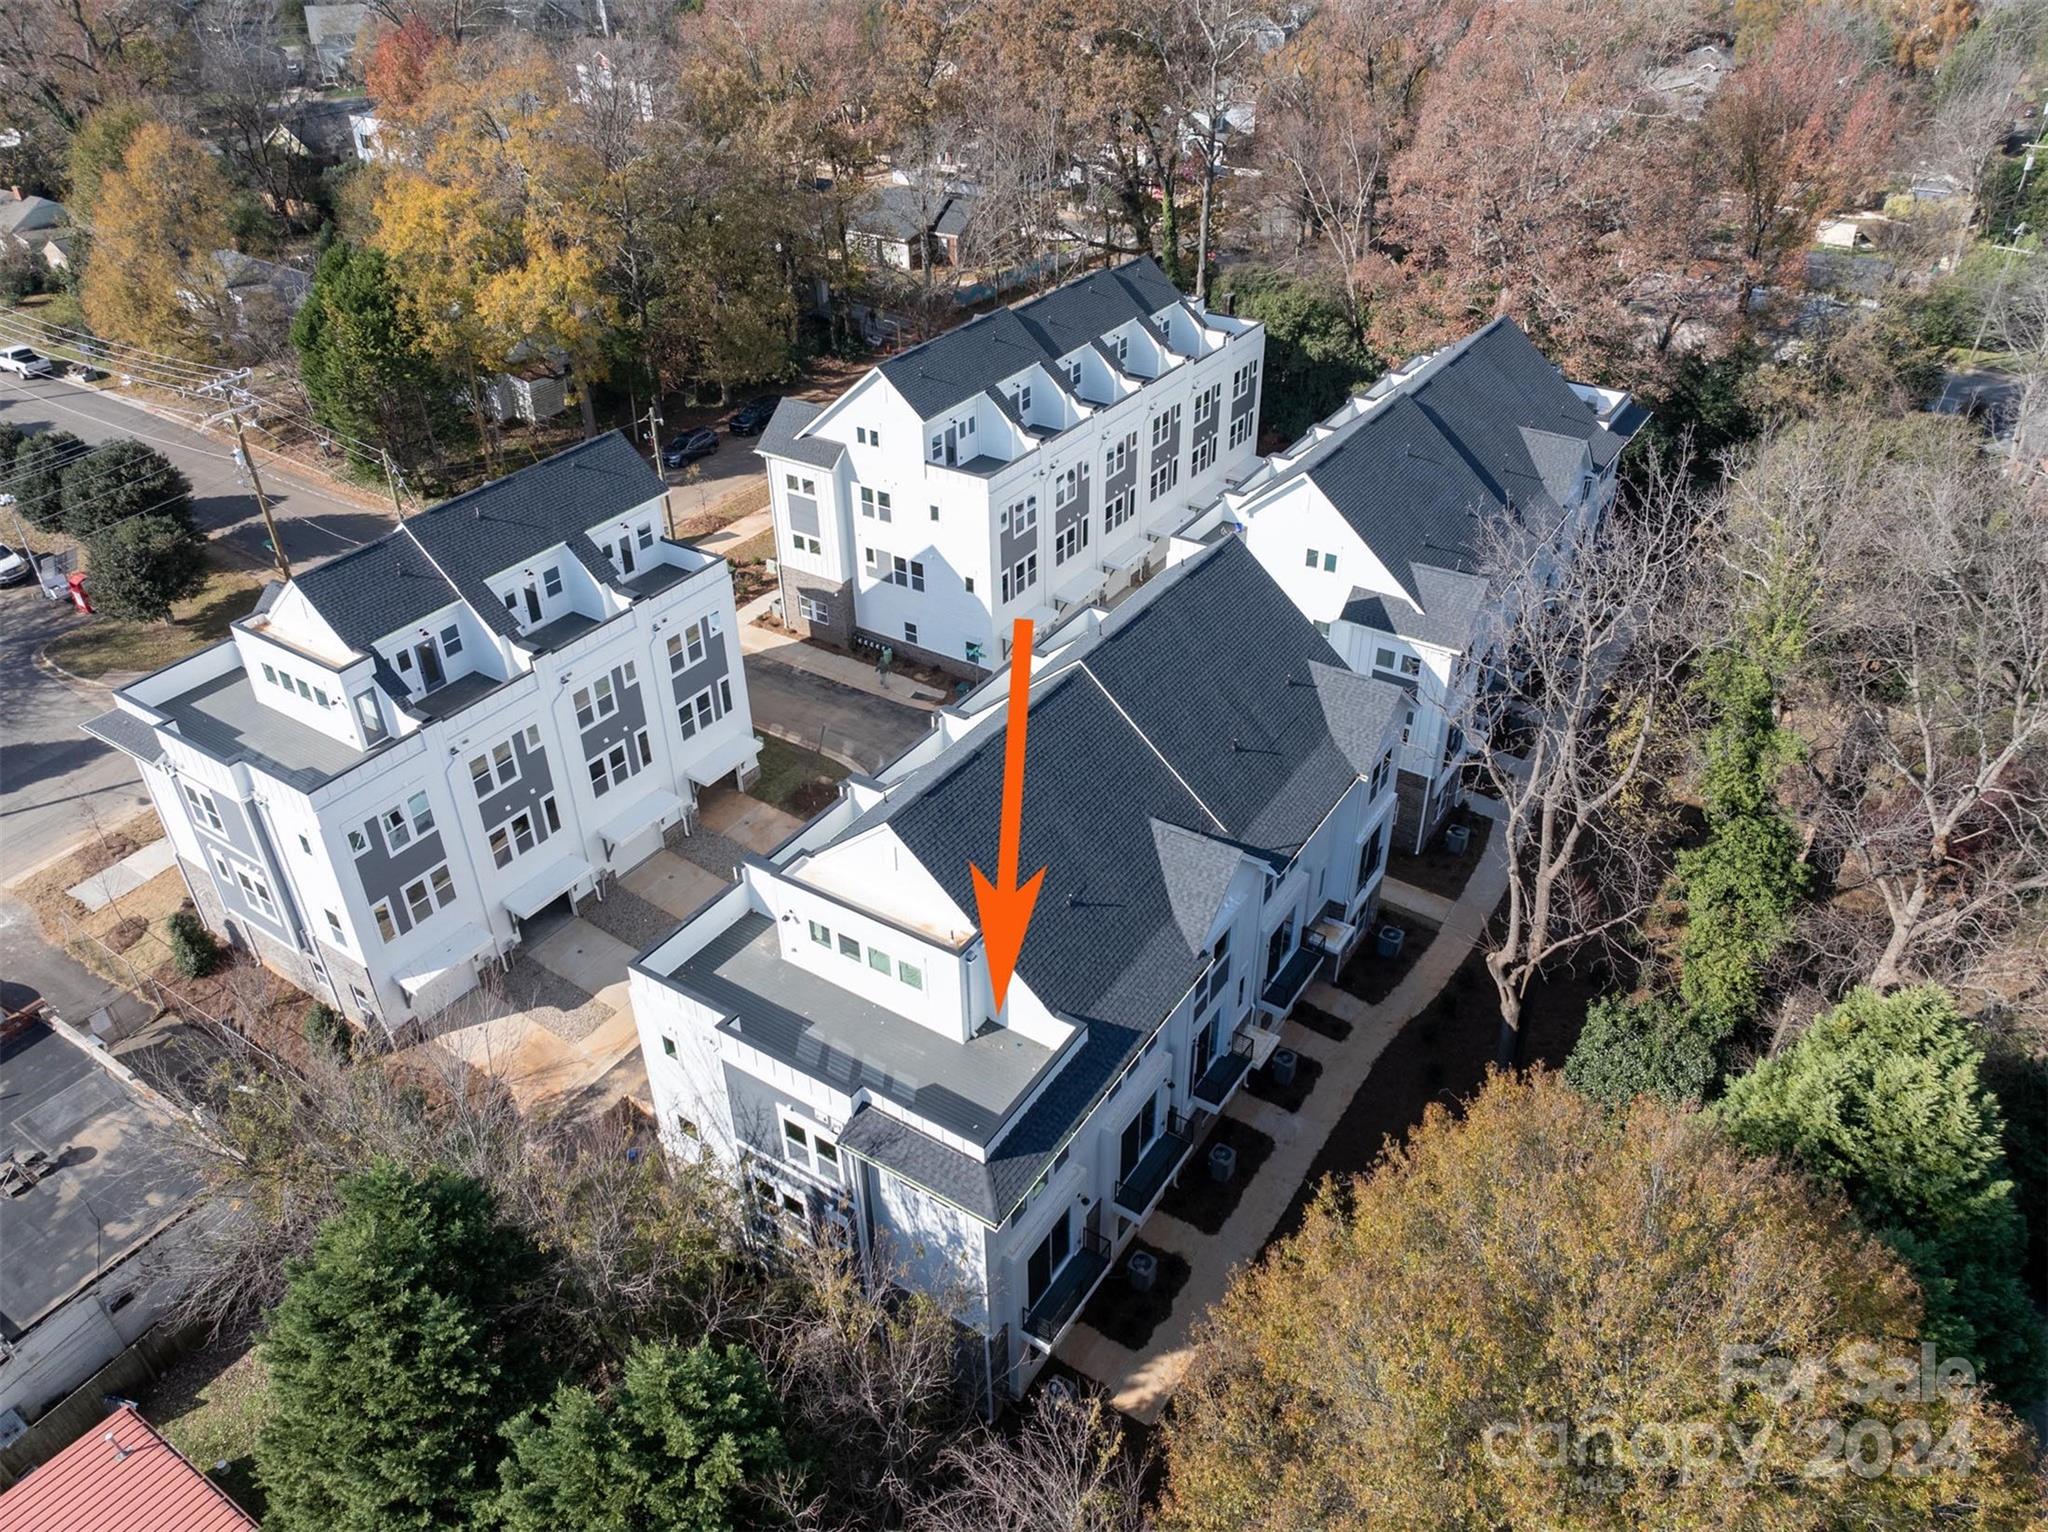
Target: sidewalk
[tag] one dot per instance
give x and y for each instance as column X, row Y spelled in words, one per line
column 826, row 664
column 729, row 536
column 1140, row 1383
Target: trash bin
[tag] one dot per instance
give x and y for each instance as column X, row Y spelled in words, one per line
column 1390, row 940
column 1143, row 1270
column 1281, row 1066
column 1457, row 838
column 1222, row 1162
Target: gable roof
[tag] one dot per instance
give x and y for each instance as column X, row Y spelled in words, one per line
column 898, row 212
column 20, row 215
column 121, row 1476
column 446, row 552
column 959, row 364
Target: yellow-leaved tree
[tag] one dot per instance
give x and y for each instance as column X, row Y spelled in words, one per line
column 160, row 217
column 1546, row 1316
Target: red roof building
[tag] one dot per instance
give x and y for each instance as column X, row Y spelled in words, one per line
column 121, row 1476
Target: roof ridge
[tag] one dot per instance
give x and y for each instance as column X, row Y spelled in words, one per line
column 1087, row 670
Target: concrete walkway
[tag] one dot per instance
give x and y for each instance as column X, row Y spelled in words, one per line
column 1140, row 1383
column 125, row 876
column 828, row 664
column 733, row 533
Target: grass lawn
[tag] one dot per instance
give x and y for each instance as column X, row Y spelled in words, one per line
column 794, row 779
column 209, row 1405
column 108, row 646
column 749, row 498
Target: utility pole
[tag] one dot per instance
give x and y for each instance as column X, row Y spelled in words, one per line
column 256, row 483
column 391, row 478
column 668, row 509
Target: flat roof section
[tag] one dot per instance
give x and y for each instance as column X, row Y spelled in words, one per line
column 833, row 1035
column 223, row 718
column 111, row 1185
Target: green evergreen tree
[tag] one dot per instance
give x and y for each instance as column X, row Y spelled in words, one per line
column 395, row 1358
column 137, row 568
column 685, row 1445
column 1743, row 884
column 11, row 439
column 123, row 479
column 1882, row 1097
column 1315, row 359
column 36, row 479
column 363, row 366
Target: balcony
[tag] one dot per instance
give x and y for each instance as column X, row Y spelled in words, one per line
column 1221, row 1077
column 1136, row 1192
column 1069, row 1288
column 1286, row 985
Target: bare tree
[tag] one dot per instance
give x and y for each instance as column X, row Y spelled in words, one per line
column 1064, row 1468
column 1588, row 650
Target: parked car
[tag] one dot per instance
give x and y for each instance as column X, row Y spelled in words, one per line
column 15, row 567
column 688, row 447
column 752, row 417
column 24, row 361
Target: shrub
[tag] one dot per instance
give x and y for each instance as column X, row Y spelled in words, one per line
column 1630, row 1048
column 326, row 1029
column 196, row 950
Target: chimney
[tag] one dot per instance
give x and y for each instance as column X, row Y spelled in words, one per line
column 1230, row 303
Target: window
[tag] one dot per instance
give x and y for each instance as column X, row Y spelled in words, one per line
column 501, row 847
column 668, row 1046
column 643, row 535
column 935, row 513
column 691, row 644
column 909, row 572
column 397, row 833
column 269, row 675
column 813, row 610
column 1243, row 381
column 1407, row 724
column 974, row 651
column 1240, row 430
column 688, row 1129
column 1384, row 658
column 797, row 486
column 1119, row 510
column 646, row 747
column 1119, row 456
column 849, row 947
column 697, row 713
column 1204, row 456
column 875, row 503
column 809, row 1148
column 385, row 926
column 820, row 934
column 1024, row 399
column 880, row 961
column 304, row 690
column 405, row 655
column 451, row 640
column 806, row 544
column 363, row 1001
column 867, row 438
column 305, row 845
column 910, row 633
column 422, row 813
column 1065, row 487
column 1020, row 577
column 203, row 806
column 1045, row 1262
column 1070, row 542
column 358, row 842
column 550, row 582
column 1205, row 403
column 444, row 888
column 551, row 814
column 257, row 891
column 967, row 583
column 333, row 923
column 910, row 974
column 418, row 901
column 1123, row 350
column 594, row 702
column 1074, row 375
column 1165, row 425
column 1165, row 475
column 609, row 770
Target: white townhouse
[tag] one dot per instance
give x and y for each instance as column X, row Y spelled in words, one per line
column 1032, row 462
column 1369, row 523
column 406, row 755
column 1209, row 791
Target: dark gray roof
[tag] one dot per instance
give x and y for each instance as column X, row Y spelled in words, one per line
column 780, row 439
column 224, row 718
column 125, row 732
column 954, row 216
column 1197, row 870
column 1451, row 604
column 1487, row 425
column 956, row 366
column 902, row 212
column 374, row 591
column 1201, row 712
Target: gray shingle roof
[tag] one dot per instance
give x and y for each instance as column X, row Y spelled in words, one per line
column 374, row 591
column 780, row 439
column 899, row 212
column 125, row 732
column 959, row 364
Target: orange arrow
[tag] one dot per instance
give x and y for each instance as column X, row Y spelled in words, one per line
column 1005, row 908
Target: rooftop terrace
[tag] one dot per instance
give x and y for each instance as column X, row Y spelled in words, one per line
column 834, row 1035
column 223, row 717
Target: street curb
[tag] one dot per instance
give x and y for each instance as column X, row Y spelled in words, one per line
column 791, row 737
column 42, row 661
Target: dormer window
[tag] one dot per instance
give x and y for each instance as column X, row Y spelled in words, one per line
column 1074, row 374
column 1123, row 350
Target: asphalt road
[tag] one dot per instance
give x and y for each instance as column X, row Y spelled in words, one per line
column 821, row 713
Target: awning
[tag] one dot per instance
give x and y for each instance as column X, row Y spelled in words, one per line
column 638, row 815
column 541, row 889
column 460, row 946
column 713, row 769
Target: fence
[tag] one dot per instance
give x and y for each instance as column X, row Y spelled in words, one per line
column 85, row 1406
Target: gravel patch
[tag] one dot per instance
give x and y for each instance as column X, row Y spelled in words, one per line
column 569, row 1012
column 637, row 922
column 713, row 852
